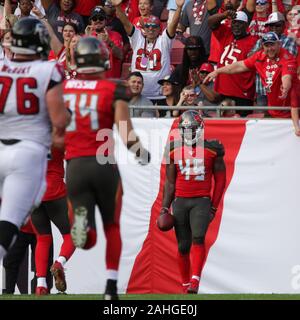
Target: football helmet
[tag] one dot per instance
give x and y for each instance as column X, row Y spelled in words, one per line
column 91, row 55
column 30, row 37
column 190, row 127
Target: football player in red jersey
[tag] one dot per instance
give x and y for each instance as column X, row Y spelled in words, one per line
column 54, row 207
column 192, row 162
column 97, row 104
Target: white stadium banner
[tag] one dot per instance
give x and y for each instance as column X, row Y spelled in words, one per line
column 253, row 245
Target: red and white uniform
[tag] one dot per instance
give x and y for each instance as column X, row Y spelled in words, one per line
column 237, row 85
column 152, row 60
column 24, row 117
column 91, row 103
column 271, row 72
column 56, row 187
column 194, row 166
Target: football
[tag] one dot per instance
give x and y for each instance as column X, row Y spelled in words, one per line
column 165, row 222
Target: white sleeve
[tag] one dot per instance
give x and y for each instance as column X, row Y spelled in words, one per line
column 167, row 41
column 135, row 38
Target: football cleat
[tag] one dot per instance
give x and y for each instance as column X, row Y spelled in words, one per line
column 79, row 228
column 58, row 273
column 185, row 287
column 194, row 287
column 111, row 290
column 41, row 291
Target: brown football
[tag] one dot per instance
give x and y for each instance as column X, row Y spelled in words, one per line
column 165, row 222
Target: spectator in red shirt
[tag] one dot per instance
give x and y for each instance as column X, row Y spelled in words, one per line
column 97, row 28
column 235, row 44
column 277, row 68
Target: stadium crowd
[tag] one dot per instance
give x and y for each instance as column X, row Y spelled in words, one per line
column 168, row 53
column 182, row 40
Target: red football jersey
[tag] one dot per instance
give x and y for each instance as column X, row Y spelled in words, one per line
column 271, row 72
column 91, row 103
column 238, row 85
column 56, row 187
column 194, row 167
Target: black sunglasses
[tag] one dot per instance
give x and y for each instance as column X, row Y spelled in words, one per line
column 97, row 18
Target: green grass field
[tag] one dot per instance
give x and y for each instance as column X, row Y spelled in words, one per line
column 157, row 297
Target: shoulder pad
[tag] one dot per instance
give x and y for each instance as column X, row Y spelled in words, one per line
column 171, row 146
column 215, row 145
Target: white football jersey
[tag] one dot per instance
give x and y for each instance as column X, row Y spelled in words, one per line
column 152, row 60
column 23, row 110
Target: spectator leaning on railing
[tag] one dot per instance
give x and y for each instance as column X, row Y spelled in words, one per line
column 277, row 69
column 135, row 83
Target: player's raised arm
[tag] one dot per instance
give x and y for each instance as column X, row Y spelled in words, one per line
column 126, row 131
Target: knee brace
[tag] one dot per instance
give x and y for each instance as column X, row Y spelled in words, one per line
column 8, row 234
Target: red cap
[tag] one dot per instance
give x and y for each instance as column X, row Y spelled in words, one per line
column 152, row 19
column 206, row 66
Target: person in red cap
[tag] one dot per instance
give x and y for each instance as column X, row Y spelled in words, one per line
column 277, row 69
column 151, row 53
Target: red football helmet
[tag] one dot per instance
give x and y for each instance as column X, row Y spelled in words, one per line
column 91, row 55
column 191, row 126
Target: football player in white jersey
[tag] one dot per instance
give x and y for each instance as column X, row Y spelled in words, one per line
column 31, row 110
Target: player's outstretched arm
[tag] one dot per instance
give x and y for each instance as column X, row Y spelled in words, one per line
column 127, row 133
